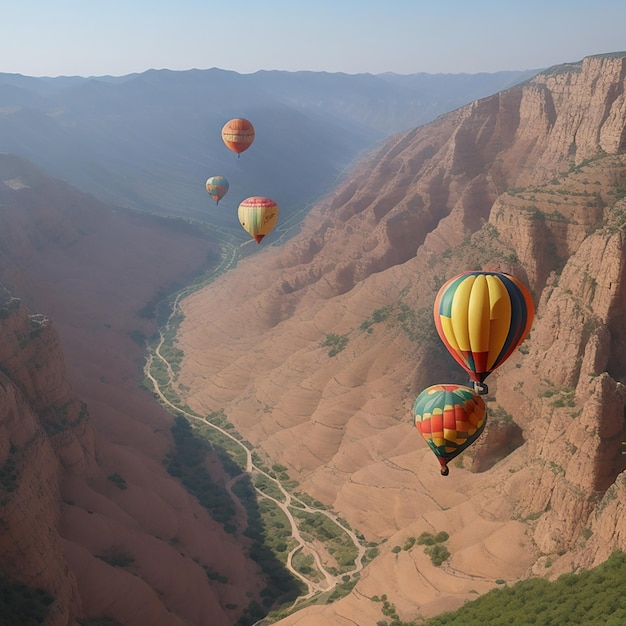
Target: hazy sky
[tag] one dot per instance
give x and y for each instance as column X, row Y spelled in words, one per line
column 117, row 37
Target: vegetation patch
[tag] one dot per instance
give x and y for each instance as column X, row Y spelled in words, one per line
column 22, row 605
column 264, row 530
column 335, row 342
column 435, row 547
column 118, row 481
column 589, row 597
column 213, row 575
column 304, row 563
column 389, row 610
column 187, row 462
column 338, row 544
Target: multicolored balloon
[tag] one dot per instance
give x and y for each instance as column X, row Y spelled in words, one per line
column 258, row 216
column 450, row 418
column 217, row 186
column 482, row 317
column 238, row 134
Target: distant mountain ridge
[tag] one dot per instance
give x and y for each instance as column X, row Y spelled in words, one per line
column 148, row 141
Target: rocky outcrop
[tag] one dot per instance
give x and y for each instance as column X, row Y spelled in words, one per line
column 499, row 439
column 45, row 432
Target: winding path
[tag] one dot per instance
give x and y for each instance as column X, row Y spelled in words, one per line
column 330, row 581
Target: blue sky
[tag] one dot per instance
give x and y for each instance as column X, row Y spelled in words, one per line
column 118, row 37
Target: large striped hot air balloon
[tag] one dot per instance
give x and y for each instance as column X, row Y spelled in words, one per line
column 482, row 317
column 450, row 418
column 217, row 186
column 258, row 216
column 238, row 134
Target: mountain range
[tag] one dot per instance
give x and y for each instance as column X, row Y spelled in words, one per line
column 149, row 141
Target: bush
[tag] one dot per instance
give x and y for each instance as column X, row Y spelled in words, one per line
column 437, row 553
column 118, row 481
column 22, row 605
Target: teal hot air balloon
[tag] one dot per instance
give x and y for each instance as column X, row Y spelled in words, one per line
column 217, row 186
column 450, row 418
column 482, row 317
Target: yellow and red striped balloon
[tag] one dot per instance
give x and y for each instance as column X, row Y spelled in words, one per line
column 482, row 317
column 258, row 216
column 450, row 418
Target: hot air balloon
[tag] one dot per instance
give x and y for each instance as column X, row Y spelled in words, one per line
column 450, row 418
column 238, row 135
column 258, row 216
column 482, row 317
column 217, row 186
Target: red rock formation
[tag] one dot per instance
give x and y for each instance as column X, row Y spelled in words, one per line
column 44, row 431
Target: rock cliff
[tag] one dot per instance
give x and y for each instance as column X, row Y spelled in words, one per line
column 89, row 513
column 45, row 433
column 531, row 181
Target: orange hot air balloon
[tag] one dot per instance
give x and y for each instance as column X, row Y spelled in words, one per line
column 258, row 216
column 217, row 186
column 238, row 135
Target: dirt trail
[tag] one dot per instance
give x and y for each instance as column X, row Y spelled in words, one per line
column 288, row 500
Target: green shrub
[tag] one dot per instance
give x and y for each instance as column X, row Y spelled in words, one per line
column 437, row 553
column 22, row 605
column 118, row 481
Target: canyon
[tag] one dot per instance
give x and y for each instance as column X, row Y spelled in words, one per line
column 530, row 181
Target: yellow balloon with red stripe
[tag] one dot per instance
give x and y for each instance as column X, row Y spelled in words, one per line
column 482, row 317
column 258, row 216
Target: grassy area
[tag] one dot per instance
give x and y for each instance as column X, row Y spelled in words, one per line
column 341, row 550
column 277, row 530
column 268, row 487
column 304, row 563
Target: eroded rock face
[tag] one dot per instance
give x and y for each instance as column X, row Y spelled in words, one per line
column 76, row 420
column 531, row 181
column 498, row 440
column 44, row 431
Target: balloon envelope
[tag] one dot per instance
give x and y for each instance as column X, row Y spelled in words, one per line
column 258, row 216
column 482, row 317
column 450, row 418
column 238, row 134
column 217, row 186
